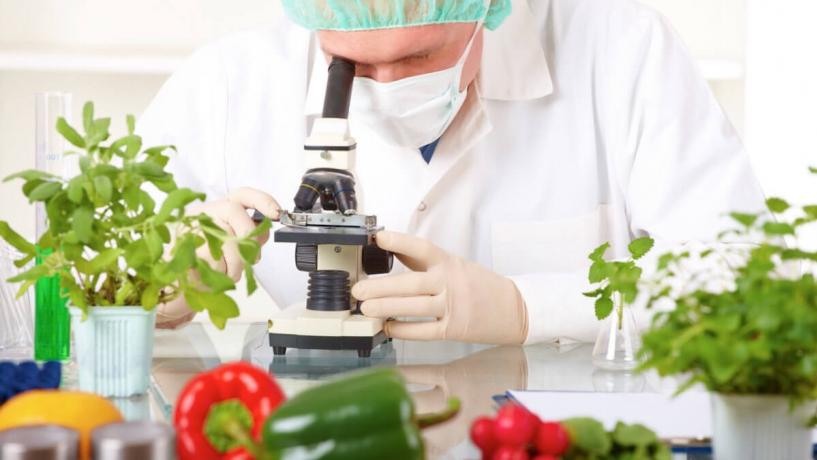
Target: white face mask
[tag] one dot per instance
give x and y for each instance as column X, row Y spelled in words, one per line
column 414, row 111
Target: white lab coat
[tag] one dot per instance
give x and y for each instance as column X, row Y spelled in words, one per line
column 589, row 123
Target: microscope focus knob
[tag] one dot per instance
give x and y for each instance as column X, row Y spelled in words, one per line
column 306, row 257
column 376, row 261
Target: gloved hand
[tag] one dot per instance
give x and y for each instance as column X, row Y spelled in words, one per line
column 231, row 214
column 465, row 301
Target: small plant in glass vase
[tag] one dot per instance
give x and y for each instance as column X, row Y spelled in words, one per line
column 118, row 255
column 617, row 286
column 744, row 326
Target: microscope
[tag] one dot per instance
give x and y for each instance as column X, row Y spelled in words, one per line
column 333, row 243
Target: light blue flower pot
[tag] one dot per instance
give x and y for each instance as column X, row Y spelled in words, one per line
column 114, row 349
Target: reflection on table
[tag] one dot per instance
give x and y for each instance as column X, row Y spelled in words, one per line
column 434, row 371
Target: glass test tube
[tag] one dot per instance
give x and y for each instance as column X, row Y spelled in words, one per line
column 51, row 320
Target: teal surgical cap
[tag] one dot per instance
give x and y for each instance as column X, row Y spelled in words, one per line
column 387, row 14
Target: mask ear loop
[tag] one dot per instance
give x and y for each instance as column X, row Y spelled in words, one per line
column 467, row 52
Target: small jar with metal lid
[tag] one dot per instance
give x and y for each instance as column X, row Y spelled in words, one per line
column 134, row 441
column 39, row 442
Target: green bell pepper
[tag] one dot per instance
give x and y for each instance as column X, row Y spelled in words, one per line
column 368, row 415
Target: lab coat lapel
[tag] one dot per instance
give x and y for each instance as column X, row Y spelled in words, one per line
column 514, row 65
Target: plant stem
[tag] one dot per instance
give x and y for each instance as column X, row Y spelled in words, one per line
column 620, row 312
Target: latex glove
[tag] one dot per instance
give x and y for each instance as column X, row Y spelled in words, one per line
column 231, row 214
column 463, row 300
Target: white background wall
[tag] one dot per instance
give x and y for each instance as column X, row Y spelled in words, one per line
column 757, row 54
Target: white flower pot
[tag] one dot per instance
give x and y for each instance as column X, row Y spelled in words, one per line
column 760, row 427
column 114, row 349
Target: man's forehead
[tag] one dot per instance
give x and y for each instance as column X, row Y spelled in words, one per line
column 389, row 45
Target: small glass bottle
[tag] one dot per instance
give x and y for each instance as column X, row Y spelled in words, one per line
column 618, row 341
column 51, row 320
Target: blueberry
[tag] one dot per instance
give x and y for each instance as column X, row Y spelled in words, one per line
column 27, row 368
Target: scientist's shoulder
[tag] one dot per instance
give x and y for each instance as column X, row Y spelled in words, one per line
column 279, row 45
column 595, row 14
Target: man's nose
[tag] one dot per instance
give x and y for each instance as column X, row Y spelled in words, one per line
column 383, row 73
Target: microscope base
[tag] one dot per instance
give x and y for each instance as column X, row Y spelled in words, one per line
column 364, row 345
column 325, row 330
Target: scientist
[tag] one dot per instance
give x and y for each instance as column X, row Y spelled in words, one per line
column 499, row 142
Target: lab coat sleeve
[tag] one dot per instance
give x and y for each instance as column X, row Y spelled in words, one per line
column 676, row 164
column 190, row 113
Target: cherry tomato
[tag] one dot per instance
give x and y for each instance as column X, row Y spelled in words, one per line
column 515, row 426
column 510, row 453
column 482, row 433
column 552, row 439
column 545, row 457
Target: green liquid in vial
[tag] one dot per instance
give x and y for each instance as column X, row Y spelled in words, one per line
column 52, row 324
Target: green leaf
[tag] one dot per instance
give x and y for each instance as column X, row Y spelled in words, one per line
column 72, row 290
column 812, row 169
column 45, row 191
column 263, row 227
column 778, row 228
column 154, row 244
column 125, row 291
column 811, row 211
column 633, row 435
column 103, row 187
column 69, row 133
column 747, row 220
column 104, row 260
column 75, row 189
column 150, row 296
column 136, row 254
column 88, row 116
column 604, row 306
column 777, row 205
column 29, row 175
column 16, row 240
column 599, row 271
column 249, row 276
column 598, row 254
column 641, row 246
column 213, row 279
column 149, row 169
column 588, row 435
column 184, row 254
column 219, row 306
column 131, row 122
column 176, row 200
column 82, row 222
column 98, row 134
column 249, row 250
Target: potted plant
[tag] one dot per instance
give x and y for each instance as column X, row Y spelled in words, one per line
column 744, row 325
column 116, row 255
column 616, row 289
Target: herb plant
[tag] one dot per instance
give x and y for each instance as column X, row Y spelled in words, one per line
column 108, row 242
column 592, row 441
column 616, row 279
column 757, row 332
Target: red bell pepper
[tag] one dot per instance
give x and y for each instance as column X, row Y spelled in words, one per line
column 239, row 382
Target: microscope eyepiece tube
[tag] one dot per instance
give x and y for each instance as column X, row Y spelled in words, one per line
column 338, row 95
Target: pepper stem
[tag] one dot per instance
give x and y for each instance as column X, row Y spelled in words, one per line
column 228, row 426
column 436, row 418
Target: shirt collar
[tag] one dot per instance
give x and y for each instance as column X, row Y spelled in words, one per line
column 514, row 66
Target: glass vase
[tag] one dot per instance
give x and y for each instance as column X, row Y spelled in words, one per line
column 618, row 341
